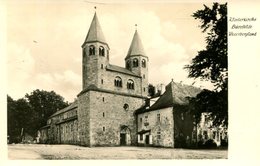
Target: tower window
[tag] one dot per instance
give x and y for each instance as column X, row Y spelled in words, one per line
column 104, row 129
column 128, row 64
column 135, row 62
column 144, row 89
column 103, row 114
column 130, row 84
column 92, row 50
column 118, row 82
column 143, row 76
column 103, row 99
column 143, row 63
column 101, row 51
column 102, row 66
column 102, row 81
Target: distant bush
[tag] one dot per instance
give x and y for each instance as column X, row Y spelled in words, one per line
column 224, row 143
column 210, row 144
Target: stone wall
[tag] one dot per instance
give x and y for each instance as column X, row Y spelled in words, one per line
column 108, row 83
column 68, row 132
column 108, row 116
column 84, row 119
column 160, row 123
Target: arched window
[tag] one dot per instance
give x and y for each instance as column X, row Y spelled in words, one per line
column 135, row 62
column 143, row 63
column 128, row 64
column 118, row 82
column 101, row 51
column 130, row 84
column 92, row 50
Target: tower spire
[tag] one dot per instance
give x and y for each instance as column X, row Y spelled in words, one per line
column 95, row 33
column 136, row 47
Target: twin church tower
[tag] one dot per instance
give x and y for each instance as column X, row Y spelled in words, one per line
column 110, row 94
column 97, row 70
column 104, row 112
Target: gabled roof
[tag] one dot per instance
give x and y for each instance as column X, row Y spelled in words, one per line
column 175, row 94
column 136, row 47
column 70, row 107
column 95, row 32
column 121, row 70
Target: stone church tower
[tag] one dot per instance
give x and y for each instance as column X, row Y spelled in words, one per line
column 95, row 55
column 137, row 62
column 110, row 93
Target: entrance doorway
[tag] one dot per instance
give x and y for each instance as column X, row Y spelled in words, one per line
column 147, row 139
column 125, row 138
column 122, row 139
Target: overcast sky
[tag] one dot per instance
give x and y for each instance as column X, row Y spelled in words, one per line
column 44, row 41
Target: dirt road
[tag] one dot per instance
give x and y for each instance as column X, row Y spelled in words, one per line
column 21, row 151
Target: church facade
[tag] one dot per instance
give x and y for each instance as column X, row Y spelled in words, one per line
column 103, row 113
column 114, row 107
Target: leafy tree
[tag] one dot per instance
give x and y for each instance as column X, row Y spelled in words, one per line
column 31, row 112
column 18, row 118
column 44, row 104
column 12, row 124
column 210, row 64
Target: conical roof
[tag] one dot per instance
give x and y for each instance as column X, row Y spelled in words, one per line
column 95, row 32
column 136, row 47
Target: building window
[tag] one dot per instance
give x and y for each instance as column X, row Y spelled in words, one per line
column 135, row 62
column 141, row 120
column 146, row 123
column 118, row 82
column 130, row 84
column 102, row 81
column 144, row 76
column 158, row 117
column 49, row 121
column 104, row 129
column 101, row 51
column 159, row 134
column 102, row 66
column 103, row 114
column 126, row 107
column 128, row 64
column 141, row 137
column 205, row 133
column 182, row 116
column 143, row 63
column 92, row 50
column 144, row 89
column 103, row 99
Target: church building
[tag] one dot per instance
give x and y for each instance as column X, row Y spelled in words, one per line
column 114, row 107
column 103, row 113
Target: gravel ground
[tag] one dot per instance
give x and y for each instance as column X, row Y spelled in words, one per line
column 57, row 152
